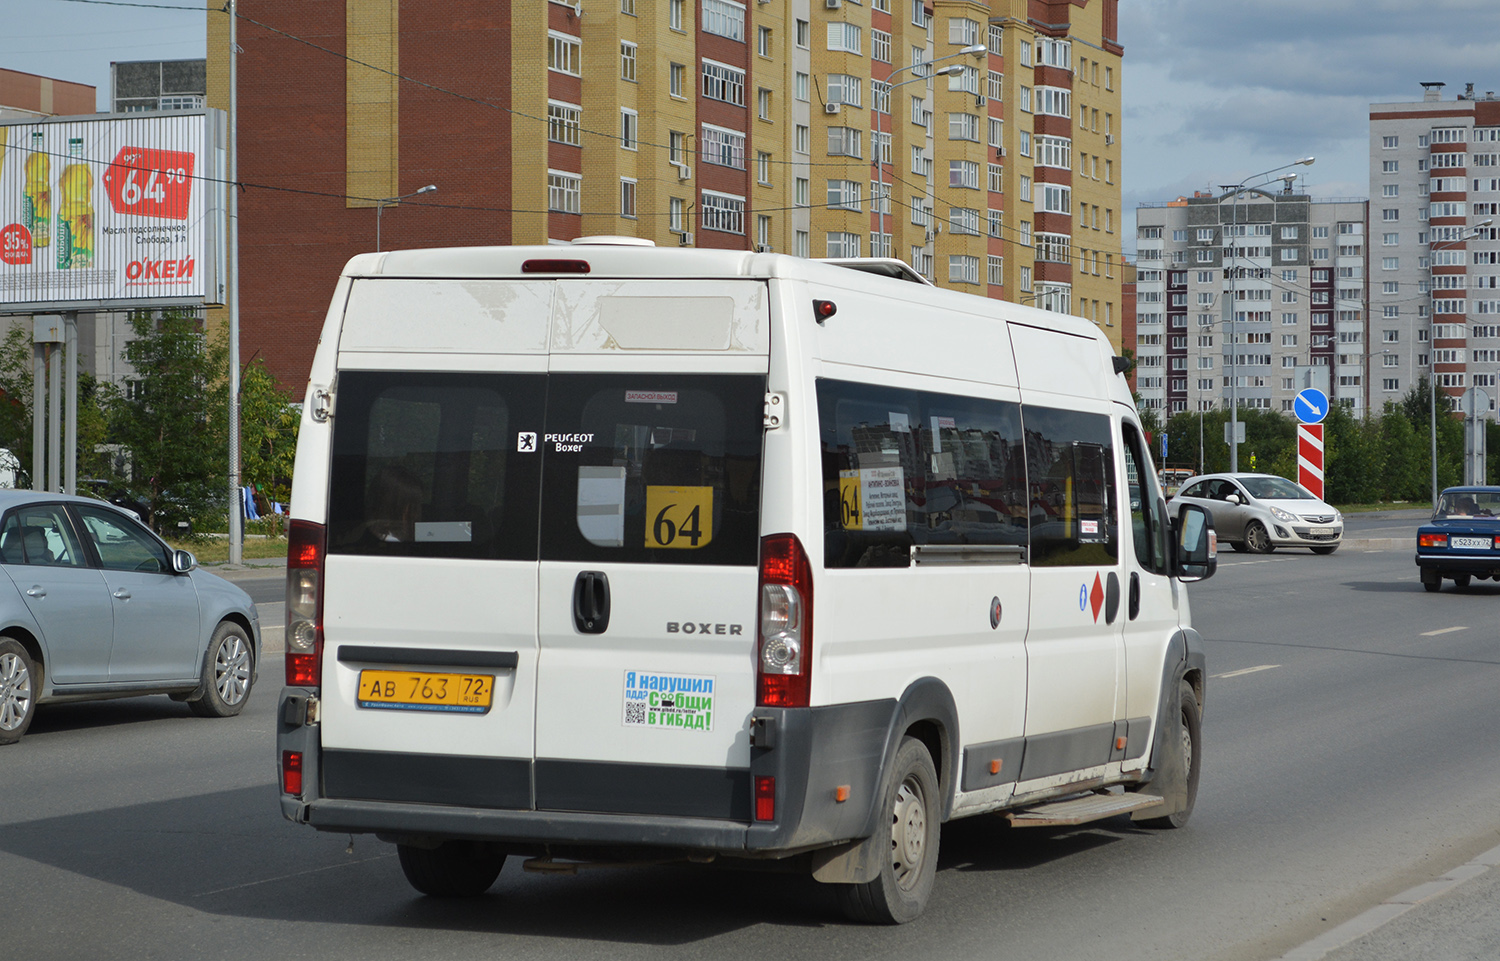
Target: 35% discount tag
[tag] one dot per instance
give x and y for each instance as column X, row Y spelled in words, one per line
column 150, row 183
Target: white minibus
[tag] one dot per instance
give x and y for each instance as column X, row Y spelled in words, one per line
column 604, row 552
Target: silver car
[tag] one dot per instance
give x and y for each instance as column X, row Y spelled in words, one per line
column 1261, row 512
column 94, row 605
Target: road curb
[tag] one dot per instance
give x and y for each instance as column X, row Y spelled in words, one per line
column 1392, row 908
column 1380, row 544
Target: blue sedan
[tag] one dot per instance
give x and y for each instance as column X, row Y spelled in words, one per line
column 93, row 605
column 1462, row 541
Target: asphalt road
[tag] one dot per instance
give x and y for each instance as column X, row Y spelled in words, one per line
column 1350, row 748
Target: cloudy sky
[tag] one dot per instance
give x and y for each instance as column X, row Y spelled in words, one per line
column 1215, row 90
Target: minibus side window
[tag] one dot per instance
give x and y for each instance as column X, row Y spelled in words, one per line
column 1071, row 482
column 904, row 468
column 1147, row 529
column 432, row 465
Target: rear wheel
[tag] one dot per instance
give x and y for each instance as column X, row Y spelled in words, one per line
column 900, row 892
column 1432, row 580
column 1190, row 733
column 453, row 869
column 17, row 690
column 1257, row 540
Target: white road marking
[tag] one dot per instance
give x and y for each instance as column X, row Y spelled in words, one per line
column 1247, row 670
column 1446, row 630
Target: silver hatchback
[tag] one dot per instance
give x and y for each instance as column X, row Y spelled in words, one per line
column 1261, row 512
column 93, row 605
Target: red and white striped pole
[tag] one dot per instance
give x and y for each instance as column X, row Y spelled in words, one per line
column 1310, row 458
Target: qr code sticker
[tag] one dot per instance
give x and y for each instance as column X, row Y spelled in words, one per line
column 635, row 713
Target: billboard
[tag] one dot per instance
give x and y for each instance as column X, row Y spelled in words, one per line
column 111, row 211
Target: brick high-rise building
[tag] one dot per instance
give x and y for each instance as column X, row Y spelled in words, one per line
column 1434, row 177
column 705, row 123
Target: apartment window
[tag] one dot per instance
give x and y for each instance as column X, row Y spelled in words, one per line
column 1390, row 240
column 996, row 178
column 845, row 142
column 842, row 244
column 919, row 111
column 1025, row 188
column 723, row 148
column 1058, row 152
column 963, row 269
column 763, row 41
column 763, row 103
column 1390, row 143
column 724, row 18
column 995, row 270
column 846, row 37
column 804, row 38
column 801, row 190
column 723, row 82
column 802, row 138
column 801, row 85
column 1109, row 78
column 674, row 13
column 963, row 173
column 1054, row 101
column 995, row 86
column 964, row 220
column 844, row 194
column 629, row 126
column 564, row 192
column 1390, row 287
column 962, row 31
column 880, row 96
column 880, row 46
column 627, row 197
column 763, row 231
column 921, row 214
column 921, row 164
column 1390, row 190
column 676, row 215
column 801, row 243
column 919, row 15
column 563, row 53
column 723, row 212
column 963, row 126
column 1390, row 166
column 1390, row 263
column 563, row 123
column 763, row 168
column 996, row 222
column 1389, row 214
column 677, row 148
column 627, row 61
column 676, row 79
column 1025, row 233
column 843, row 88
column 1057, row 199
column 1025, row 143
column 627, row 7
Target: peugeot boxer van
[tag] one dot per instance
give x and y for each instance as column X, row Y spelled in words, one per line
column 609, row 552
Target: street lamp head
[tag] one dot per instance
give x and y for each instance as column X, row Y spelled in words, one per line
column 948, row 71
column 428, row 189
column 977, row 50
column 1307, row 161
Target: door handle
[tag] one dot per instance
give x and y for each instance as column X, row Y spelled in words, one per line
column 36, row 592
column 1135, row 594
column 122, row 594
column 591, row 602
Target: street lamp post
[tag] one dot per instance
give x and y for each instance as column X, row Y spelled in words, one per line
column 1232, row 193
column 380, row 206
column 976, row 50
column 1464, row 236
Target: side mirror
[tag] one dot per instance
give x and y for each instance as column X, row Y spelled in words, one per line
column 183, row 562
column 1233, row 499
column 1197, row 549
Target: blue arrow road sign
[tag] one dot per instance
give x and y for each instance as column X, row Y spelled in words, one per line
column 1311, row 405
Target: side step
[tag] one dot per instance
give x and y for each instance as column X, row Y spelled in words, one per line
column 1080, row 810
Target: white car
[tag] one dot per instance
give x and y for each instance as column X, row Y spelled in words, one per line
column 1261, row 512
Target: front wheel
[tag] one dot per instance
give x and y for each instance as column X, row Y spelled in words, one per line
column 453, row 869
column 1190, row 735
column 1257, row 539
column 900, row 892
column 17, row 690
column 228, row 673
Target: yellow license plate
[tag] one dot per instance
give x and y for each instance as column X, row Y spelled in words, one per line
column 418, row 691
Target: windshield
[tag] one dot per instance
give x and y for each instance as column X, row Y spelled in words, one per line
column 1468, row 504
column 1275, row 489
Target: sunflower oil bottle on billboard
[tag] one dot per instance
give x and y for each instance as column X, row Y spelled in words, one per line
column 36, row 201
column 75, row 212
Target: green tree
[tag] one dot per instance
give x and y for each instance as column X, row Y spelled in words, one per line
column 94, row 460
column 268, row 434
column 1403, row 457
column 1351, row 458
column 173, row 419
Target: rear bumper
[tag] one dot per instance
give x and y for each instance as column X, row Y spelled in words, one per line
column 1475, row 565
column 811, row 753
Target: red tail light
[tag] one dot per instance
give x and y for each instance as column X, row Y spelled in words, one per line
column 765, row 798
column 784, row 634
column 304, row 604
column 291, row 772
column 1432, row 540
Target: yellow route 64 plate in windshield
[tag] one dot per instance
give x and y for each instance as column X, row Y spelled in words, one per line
column 424, row 691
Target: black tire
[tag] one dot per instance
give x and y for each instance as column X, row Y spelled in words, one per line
column 1461, row 581
column 453, row 869
column 1239, row 546
column 1325, row 550
column 901, row 890
column 1433, row 586
column 1190, row 729
column 228, row 673
column 18, row 690
column 1257, row 538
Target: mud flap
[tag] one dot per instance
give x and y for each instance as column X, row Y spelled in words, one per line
column 1171, row 774
column 857, row 862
